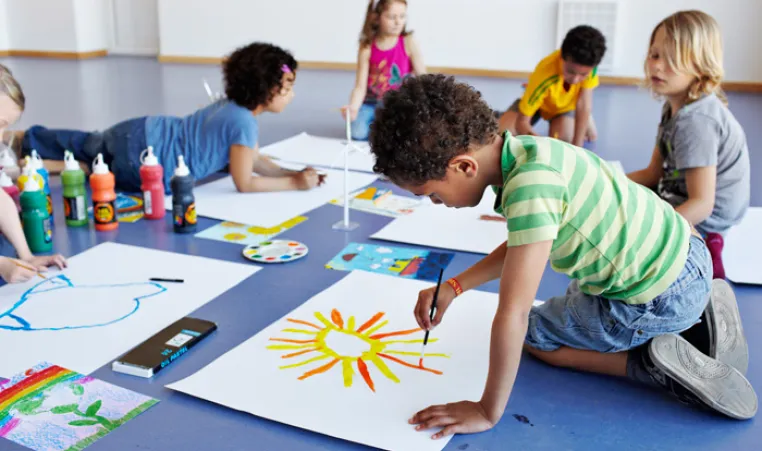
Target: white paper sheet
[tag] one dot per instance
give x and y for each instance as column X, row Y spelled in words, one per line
column 248, row 377
column 220, row 200
column 449, row 228
column 743, row 248
column 103, row 304
column 323, row 152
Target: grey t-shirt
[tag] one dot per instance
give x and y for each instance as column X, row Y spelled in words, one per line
column 705, row 133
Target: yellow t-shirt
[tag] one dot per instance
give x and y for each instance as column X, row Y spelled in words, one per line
column 545, row 91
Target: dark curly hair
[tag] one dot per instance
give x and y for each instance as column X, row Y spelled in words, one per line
column 584, row 45
column 420, row 127
column 253, row 73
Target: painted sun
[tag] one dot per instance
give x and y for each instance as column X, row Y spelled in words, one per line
column 356, row 349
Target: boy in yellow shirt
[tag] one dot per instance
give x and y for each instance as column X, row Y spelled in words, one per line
column 560, row 90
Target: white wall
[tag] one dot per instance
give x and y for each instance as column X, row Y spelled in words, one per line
column 479, row 34
column 92, row 24
column 135, row 27
column 3, row 27
column 41, row 25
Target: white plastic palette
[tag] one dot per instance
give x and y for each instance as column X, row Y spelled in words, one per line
column 275, row 251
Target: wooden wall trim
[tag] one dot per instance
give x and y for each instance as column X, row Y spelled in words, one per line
column 55, row 54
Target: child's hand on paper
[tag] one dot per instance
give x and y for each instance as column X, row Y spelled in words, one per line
column 306, row 179
column 463, row 417
column 42, row 262
column 422, row 310
column 12, row 273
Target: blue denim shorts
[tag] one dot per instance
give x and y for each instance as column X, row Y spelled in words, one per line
column 583, row 321
column 361, row 125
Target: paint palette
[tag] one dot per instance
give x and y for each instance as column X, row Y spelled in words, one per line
column 275, row 251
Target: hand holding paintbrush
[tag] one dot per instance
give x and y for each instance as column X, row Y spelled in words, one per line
column 431, row 315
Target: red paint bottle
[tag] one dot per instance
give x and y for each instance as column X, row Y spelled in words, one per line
column 152, row 185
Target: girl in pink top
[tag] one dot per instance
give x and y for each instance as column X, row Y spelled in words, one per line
column 388, row 53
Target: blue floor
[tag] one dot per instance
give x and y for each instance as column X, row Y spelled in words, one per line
column 565, row 409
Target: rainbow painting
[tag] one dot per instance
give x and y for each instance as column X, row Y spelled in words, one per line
column 51, row 408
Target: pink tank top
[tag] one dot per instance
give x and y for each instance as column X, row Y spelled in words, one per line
column 387, row 69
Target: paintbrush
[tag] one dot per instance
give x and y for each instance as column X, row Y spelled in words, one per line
column 208, row 90
column 30, row 269
column 431, row 315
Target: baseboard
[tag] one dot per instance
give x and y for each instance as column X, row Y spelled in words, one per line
column 56, row 55
column 735, row 86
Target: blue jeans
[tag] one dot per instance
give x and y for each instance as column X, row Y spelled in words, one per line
column 583, row 321
column 361, row 125
column 120, row 145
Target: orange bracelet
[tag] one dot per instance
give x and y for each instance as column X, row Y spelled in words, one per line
column 455, row 286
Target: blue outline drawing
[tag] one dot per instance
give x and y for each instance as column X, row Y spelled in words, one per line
column 62, row 282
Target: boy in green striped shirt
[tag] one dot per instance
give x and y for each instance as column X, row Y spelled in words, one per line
column 640, row 275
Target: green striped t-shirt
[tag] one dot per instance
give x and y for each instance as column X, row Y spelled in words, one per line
column 618, row 239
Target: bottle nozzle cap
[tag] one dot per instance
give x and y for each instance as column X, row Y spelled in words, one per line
column 148, row 158
column 99, row 166
column 5, row 181
column 35, row 160
column 31, row 185
column 181, row 170
column 6, row 159
column 70, row 163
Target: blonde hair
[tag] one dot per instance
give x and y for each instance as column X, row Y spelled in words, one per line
column 694, row 47
column 370, row 27
column 10, row 87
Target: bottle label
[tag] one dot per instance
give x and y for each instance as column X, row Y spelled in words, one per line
column 74, row 208
column 47, row 230
column 184, row 215
column 147, row 204
column 50, row 205
column 104, row 212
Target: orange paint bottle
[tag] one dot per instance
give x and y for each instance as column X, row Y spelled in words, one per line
column 104, row 197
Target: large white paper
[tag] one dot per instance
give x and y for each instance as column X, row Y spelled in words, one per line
column 323, row 152
column 248, row 378
column 103, row 305
column 743, row 248
column 220, row 200
column 449, row 228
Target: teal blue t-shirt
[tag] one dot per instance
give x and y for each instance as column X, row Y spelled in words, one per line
column 202, row 138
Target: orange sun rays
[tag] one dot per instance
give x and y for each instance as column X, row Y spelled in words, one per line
column 317, row 350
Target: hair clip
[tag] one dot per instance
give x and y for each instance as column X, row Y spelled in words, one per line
column 286, row 69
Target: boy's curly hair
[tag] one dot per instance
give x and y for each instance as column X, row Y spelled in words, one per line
column 253, row 73
column 420, row 127
column 584, row 45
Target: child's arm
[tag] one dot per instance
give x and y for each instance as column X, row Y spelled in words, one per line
column 701, row 184
column 582, row 116
column 522, row 270
column 10, row 226
column 411, row 46
column 650, row 176
column 361, row 83
column 242, row 166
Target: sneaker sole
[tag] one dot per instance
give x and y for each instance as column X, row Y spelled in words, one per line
column 718, row 385
column 727, row 342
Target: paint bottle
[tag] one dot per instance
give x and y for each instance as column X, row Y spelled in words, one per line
column 35, row 217
column 37, row 165
column 152, row 185
column 8, row 164
column 74, row 192
column 27, row 174
column 12, row 190
column 183, row 202
column 104, row 197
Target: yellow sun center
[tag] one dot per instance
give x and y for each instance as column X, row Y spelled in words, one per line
column 346, row 344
